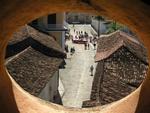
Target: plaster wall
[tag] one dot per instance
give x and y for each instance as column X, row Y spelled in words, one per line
column 43, row 22
column 60, row 21
column 51, row 89
column 95, row 24
column 60, row 18
column 59, row 36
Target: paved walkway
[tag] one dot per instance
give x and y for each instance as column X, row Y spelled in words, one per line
column 76, row 77
column 80, row 27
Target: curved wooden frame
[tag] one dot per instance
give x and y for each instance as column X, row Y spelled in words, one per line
column 16, row 13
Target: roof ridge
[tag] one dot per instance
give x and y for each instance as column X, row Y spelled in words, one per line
column 109, row 52
column 17, row 55
column 125, row 35
column 48, row 66
column 110, row 34
column 27, row 29
column 33, row 34
column 110, row 43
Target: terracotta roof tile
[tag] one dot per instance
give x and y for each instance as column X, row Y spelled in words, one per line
column 108, row 44
column 44, row 39
column 117, row 76
column 26, row 33
column 19, row 35
column 32, row 70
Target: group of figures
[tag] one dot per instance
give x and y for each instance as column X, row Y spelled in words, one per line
column 80, row 37
column 72, row 49
column 81, row 34
column 83, row 38
column 92, row 41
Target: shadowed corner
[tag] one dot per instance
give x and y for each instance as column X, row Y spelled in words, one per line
column 86, row 1
column 8, row 101
column 143, row 96
column 146, row 2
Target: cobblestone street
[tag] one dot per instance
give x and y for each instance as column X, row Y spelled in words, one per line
column 76, row 77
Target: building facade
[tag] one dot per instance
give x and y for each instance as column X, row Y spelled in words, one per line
column 122, row 66
column 100, row 26
column 33, row 59
column 54, row 25
column 78, row 18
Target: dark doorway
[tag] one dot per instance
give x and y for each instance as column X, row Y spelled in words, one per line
column 52, row 19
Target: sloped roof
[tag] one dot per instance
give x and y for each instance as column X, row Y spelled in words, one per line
column 33, row 58
column 27, row 32
column 19, row 35
column 108, row 44
column 32, row 70
column 44, row 39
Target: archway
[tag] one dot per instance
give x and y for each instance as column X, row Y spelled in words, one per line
column 14, row 14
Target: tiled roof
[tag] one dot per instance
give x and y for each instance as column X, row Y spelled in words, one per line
column 122, row 66
column 19, row 35
column 117, row 76
column 108, row 44
column 44, row 39
column 32, row 58
column 32, row 70
column 25, row 36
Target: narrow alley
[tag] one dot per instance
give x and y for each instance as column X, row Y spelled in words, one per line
column 76, row 77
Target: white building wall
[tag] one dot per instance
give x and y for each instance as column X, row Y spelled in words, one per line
column 60, row 18
column 60, row 21
column 59, row 35
column 51, row 88
column 95, row 24
column 43, row 22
